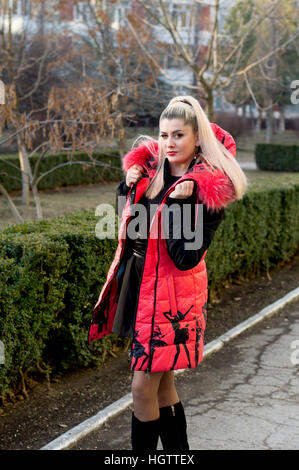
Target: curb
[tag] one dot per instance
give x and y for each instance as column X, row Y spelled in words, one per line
column 71, row 437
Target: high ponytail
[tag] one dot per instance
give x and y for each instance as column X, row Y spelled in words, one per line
column 214, row 152
column 214, row 155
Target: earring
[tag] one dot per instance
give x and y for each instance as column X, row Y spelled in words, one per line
column 197, row 152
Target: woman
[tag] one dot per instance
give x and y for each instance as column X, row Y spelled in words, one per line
column 156, row 287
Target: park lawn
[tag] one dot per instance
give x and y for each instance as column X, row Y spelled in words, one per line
column 60, row 201
column 248, row 142
column 263, row 180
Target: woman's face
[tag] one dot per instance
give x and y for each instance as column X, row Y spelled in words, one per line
column 178, row 142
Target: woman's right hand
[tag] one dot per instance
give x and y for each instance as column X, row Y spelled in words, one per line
column 134, row 174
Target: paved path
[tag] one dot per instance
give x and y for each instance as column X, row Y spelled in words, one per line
column 248, row 165
column 245, row 396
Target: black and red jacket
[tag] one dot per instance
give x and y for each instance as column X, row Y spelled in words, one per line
column 172, row 297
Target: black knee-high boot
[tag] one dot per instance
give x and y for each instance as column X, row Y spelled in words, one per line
column 173, row 427
column 144, row 434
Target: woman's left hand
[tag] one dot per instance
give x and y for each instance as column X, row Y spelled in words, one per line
column 183, row 190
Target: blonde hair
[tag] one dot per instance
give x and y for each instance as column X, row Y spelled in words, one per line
column 214, row 154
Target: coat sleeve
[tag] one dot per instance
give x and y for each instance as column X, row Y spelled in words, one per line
column 183, row 258
column 122, row 191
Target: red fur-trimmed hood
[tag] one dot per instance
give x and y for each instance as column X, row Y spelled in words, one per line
column 214, row 187
column 142, row 156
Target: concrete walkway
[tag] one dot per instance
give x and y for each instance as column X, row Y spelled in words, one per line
column 248, row 165
column 250, row 395
column 244, row 396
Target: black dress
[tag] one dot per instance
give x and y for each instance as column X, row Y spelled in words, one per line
column 124, row 319
column 129, row 273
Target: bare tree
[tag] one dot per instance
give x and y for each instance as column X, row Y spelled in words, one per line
column 215, row 59
column 47, row 107
column 268, row 83
column 112, row 49
column 25, row 57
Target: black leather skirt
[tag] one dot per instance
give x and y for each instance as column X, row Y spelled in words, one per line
column 124, row 319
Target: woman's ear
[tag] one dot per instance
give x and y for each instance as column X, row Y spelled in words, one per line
column 197, row 141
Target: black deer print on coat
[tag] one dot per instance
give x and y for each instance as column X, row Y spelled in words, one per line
column 199, row 331
column 181, row 335
column 156, row 342
column 198, row 336
column 138, row 351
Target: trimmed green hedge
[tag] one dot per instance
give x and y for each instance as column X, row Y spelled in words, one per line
column 67, row 175
column 274, row 157
column 258, row 232
column 51, row 273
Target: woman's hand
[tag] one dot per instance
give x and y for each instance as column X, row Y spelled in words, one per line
column 134, row 174
column 183, row 190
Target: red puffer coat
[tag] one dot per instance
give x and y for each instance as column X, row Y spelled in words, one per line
column 171, row 303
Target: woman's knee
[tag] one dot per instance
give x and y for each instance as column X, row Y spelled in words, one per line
column 141, row 392
column 145, row 388
column 167, row 394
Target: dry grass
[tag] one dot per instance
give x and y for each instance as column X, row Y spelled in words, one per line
column 248, row 142
column 60, row 201
column 262, row 180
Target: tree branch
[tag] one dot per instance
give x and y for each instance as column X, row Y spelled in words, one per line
column 281, row 47
column 11, row 204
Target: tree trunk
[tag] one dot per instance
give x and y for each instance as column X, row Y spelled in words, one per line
column 210, row 104
column 258, row 124
column 24, row 163
column 121, row 138
column 11, row 204
column 282, row 122
column 269, row 122
column 36, row 198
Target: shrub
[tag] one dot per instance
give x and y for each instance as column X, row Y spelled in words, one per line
column 74, row 174
column 274, row 157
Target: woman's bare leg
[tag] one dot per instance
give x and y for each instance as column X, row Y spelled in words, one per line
column 145, row 395
column 167, row 394
column 152, row 392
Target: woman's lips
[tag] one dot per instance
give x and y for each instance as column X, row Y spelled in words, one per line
column 171, row 154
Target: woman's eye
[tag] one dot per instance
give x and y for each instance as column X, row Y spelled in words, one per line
column 164, row 136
